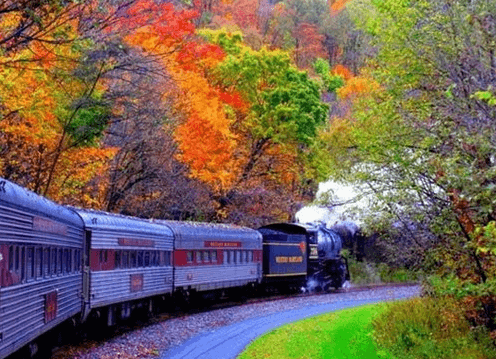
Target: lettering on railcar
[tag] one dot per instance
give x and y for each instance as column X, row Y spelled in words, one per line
column 292, row 259
column 136, row 283
column 136, row 242
column 46, row 225
column 222, row 244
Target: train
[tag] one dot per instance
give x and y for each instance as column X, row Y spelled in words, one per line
column 61, row 266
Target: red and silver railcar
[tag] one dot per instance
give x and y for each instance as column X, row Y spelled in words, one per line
column 129, row 259
column 40, row 266
column 210, row 257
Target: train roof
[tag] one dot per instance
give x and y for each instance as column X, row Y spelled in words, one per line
column 210, row 231
column 290, row 228
column 99, row 220
column 19, row 198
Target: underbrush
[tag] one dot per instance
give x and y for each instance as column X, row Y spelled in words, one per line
column 425, row 328
column 372, row 273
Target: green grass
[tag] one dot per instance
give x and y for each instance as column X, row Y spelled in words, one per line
column 338, row 335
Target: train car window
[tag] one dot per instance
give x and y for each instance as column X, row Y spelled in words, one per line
column 245, row 257
column 23, row 264
column 54, row 261
column 46, row 262
column 232, row 257
column 39, row 264
column 206, row 256
column 17, row 259
column 60, row 260
column 213, row 255
column 68, row 264
column 140, row 259
column 117, row 259
column 74, row 261
column 77, row 261
column 11, row 258
column 153, row 258
column 147, row 259
column 250, row 256
column 226, row 257
column 125, row 259
column 161, row 258
column 30, row 263
column 132, row 259
column 64, row 261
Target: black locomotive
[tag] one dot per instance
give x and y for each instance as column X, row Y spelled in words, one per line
column 60, row 265
column 303, row 256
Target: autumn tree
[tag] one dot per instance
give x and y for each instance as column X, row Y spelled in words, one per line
column 51, row 117
column 145, row 178
column 275, row 135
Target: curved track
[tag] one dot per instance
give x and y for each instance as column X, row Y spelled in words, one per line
column 223, row 330
column 229, row 341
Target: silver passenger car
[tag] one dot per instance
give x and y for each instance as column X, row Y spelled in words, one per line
column 40, row 266
column 214, row 256
column 128, row 259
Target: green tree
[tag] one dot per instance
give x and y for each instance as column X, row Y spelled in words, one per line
column 277, row 131
column 425, row 143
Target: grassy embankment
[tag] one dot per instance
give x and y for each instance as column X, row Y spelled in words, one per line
column 421, row 328
column 343, row 334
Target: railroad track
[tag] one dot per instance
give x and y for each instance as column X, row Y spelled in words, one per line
column 94, row 339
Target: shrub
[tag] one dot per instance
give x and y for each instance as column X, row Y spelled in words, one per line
column 364, row 272
column 430, row 328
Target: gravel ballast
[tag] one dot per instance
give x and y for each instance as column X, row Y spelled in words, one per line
column 156, row 339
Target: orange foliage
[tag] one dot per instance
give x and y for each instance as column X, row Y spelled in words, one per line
column 205, row 140
column 36, row 151
column 342, row 71
column 357, row 86
column 337, row 6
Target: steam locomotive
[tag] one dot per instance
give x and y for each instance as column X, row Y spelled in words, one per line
column 61, row 266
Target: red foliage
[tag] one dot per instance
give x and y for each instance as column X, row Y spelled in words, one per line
column 244, row 13
column 193, row 54
column 309, row 44
column 161, row 20
column 233, row 99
